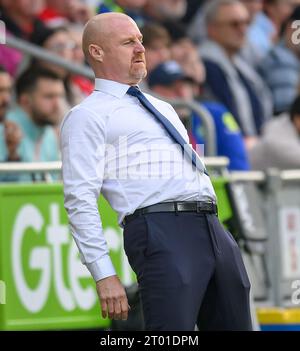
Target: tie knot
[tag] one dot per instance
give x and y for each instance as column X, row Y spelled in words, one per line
column 133, row 91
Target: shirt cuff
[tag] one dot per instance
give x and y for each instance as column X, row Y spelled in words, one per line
column 101, row 268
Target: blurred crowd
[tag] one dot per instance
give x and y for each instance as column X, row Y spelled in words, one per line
column 238, row 59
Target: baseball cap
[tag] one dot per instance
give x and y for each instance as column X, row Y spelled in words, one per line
column 167, row 73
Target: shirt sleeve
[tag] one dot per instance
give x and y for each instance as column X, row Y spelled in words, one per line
column 83, row 149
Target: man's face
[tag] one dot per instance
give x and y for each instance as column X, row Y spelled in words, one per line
column 76, row 37
column 230, row 27
column 61, row 44
column 5, row 94
column 123, row 53
column 186, row 54
column 45, row 102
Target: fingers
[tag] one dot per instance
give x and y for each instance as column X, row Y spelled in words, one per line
column 124, row 309
column 113, row 299
column 117, row 312
column 111, row 309
column 121, row 309
column 104, row 308
column 115, row 308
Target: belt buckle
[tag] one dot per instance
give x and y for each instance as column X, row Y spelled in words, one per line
column 204, row 207
column 207, row 206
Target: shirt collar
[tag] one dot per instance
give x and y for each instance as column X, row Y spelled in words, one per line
column 111, row 87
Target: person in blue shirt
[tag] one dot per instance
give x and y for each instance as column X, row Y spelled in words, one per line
column 280, row 68
column 230, row 142
column 169, row 80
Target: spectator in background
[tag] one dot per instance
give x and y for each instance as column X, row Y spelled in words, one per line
column 20, row 18
column 85, row 85
column 281, row 68
column 59, row 13
column 192, row 8
column 253, row 7
column 166, row 10
column 10, row 133
column 130, row 7
column 229, row 78
column 39, row 95
column 265, row 30
column 184, row 51
column 58, row 41
column 170, row 81
column 156, row 41
column 279, row 146
column 197, row 28
column 249, row 51
column 75, row 32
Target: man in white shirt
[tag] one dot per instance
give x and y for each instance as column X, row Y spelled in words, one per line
column 188, row 268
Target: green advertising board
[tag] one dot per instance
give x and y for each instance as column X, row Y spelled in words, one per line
column 224, row 206
column 43, row 284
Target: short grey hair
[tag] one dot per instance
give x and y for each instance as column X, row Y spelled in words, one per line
column 211, row 10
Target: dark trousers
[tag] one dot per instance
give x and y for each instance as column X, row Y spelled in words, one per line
column 190, row 271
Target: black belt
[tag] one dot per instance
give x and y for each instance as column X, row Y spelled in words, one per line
column 195, row 206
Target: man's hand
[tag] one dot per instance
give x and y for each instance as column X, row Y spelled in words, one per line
column 113, row 299
column 13, row 136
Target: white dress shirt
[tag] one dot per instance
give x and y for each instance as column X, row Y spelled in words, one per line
column 113, row 145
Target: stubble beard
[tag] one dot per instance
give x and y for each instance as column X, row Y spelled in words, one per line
column 140, row 74
column 41, row 119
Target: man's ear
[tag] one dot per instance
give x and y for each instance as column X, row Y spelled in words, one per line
column 96, row 52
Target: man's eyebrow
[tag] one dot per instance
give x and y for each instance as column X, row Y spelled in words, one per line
column 132, row 37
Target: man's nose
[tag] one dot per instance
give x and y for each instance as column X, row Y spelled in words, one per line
column 139, row 47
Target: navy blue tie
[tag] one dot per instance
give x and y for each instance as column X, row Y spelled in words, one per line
column 175, row 135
